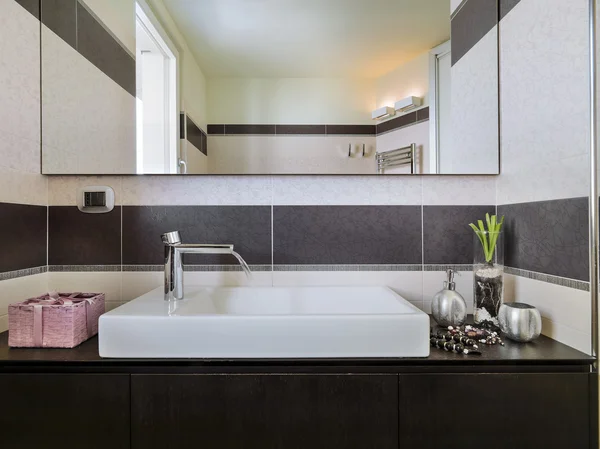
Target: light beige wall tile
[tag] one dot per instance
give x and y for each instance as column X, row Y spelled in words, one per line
column 20, row 289
column 23, row 188
column 196, row 190
column 108, row 283
column 565, row 306
column 545, row 117
column 459, row 190
column 475, row 141
column 63, row 190
column 346, row 190
column 136, row 284
column 19, row 88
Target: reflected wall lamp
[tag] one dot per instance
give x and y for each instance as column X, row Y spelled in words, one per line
column 408, row 104
column 383, row 113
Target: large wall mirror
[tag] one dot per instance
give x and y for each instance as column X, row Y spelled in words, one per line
column 376, row 87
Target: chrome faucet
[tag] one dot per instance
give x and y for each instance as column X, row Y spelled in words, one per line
column 174, row 251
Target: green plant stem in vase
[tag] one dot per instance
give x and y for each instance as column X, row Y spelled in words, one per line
column 488, row 269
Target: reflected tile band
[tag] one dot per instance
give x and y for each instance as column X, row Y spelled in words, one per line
column 409, row 119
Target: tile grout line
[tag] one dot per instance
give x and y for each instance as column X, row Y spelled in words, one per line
column 121, row 205
column 272, row 232
column 422, row 242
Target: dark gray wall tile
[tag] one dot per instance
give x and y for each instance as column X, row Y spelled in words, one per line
column 351, row 130
column 347, row 234
column 506, row 6
column 471, row 23
column 447, row 237
column 397, row 123
column 549, row 237
column 100, row 48
column 24, row 230
column 33, row 6
column 246, row 227
column 61, row 17
column 216, row 129
column 195, row 135
column 250, row 129
column 76, row 238
column 301, row 129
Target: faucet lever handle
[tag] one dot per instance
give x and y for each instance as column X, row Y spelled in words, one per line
column 171, row 238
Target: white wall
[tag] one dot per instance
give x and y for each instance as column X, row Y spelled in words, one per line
column 291, row 100
column 291, row 154
column 409, row 79
column 20, row 179
column 314, row 100
column 197, row 162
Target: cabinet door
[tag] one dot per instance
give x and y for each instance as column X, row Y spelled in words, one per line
column 264, row 411
column 494, row 411
column 64, row 411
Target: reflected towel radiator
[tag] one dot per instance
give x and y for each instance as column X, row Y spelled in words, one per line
column 398, row 158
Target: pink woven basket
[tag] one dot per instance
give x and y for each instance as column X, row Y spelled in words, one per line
column 55, row 320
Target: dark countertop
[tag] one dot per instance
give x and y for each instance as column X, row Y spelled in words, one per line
column 513, row 356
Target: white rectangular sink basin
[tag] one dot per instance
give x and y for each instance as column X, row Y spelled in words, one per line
column 267, row 322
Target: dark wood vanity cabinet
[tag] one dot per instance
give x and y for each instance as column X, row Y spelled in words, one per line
column 264, row 411
column 320, row 410
column 497, row 411
column 64, row 411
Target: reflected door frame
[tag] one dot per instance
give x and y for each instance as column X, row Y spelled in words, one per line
column 435, row 54
column 149, row 20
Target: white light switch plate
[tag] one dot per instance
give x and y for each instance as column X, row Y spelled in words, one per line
column 110, row 199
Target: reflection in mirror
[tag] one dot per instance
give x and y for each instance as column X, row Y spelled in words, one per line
column 157, row 106
column 270, row 87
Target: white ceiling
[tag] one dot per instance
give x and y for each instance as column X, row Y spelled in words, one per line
column 309, row 38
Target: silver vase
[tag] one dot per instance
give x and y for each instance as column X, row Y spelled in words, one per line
column 520, row 322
